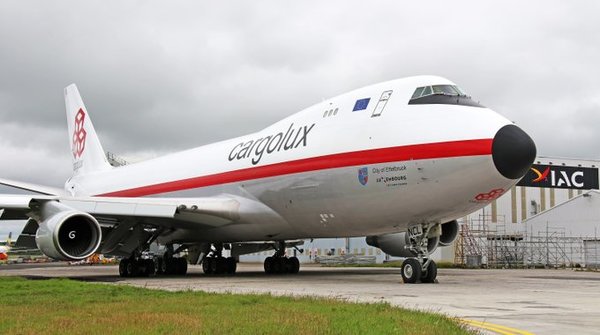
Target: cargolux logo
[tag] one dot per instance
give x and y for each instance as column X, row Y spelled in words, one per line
column 79, row 134
column 255, row 149
column 540, row 175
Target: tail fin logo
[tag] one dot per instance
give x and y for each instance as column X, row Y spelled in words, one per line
column 79, row 134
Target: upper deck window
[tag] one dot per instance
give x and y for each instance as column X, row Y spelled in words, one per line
column 441, row 94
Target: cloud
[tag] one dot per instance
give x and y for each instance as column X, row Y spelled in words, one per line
column 159, row 78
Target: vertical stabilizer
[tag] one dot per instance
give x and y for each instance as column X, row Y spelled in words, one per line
column 86, row 150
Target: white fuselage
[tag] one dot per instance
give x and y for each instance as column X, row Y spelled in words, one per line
column 423, row 163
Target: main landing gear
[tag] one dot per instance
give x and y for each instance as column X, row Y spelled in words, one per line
column 140, row 265
column 136, row 267
column 279, row 263
column 422, row 268
column 215, row 263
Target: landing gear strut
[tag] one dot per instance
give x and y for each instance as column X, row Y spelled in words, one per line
column 422, row 268
column 279, row 263
column 215, row 263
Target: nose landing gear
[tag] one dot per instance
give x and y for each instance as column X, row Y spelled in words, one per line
column 422, row 268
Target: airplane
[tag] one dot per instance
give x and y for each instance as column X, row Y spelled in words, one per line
column 399, row 162
column 5, row 247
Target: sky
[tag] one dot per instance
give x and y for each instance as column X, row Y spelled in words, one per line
column 158, row 77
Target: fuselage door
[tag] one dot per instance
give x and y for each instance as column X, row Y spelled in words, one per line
column 385, row 96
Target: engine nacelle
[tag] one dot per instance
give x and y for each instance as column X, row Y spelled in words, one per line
column 395, row 244
column 67, row 234
column 449, row 233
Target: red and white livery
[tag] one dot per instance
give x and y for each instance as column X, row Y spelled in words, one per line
column 398, row 162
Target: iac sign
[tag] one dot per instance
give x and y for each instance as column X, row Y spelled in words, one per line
column 558, row 176
column 562, row 179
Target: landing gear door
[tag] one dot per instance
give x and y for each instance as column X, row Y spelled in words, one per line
column 385, row 96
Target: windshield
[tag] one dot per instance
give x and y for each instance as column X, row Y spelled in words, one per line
column 437, row 89
column 441, row 94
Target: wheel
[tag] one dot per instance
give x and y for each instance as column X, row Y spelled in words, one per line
column 231, row 265
column 223, row 265
column 133, row 270
column 207, row 266
column 269, row 264
column 169, row 266
column 150, row 267
column 429, row 275
column 158, row 269
column 123, row 267
column 411, row 270
column 182, row 266
column 217, row 265
column 295, row 265
column 278, row 265
column 164, row 269
column 287, row 267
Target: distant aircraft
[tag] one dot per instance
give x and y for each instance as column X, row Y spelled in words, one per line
column 398, row 162
column 5, row 247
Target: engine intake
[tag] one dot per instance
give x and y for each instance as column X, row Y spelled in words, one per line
column 449, row 233
column 67, row 234
column 395, row 244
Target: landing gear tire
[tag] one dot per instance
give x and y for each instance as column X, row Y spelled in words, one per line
column 411, row 270
column 181, row 266
column 149, row 267
column 431, row 273
column 278, row 265
column 269, row 265
column 133, row 270
column 281, row 265
column 231, row 265
column 158, row 269
column 219, row 265
column 123, row 267
column 207, row 266
column 295, row 265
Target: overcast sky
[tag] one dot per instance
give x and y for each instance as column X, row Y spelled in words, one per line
column 158, row 77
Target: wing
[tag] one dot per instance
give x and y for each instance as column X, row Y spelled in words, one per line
column 127, row 222
column 46, row 190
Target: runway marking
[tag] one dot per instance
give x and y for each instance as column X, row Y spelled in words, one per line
column 498, row 329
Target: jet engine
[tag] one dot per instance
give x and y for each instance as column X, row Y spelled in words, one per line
column 67, row 234
column 396, row 244
column 449, row 233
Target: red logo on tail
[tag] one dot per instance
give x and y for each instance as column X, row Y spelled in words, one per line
column 79, row 134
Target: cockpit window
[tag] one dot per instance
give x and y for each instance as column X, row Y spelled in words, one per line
column 418, row 92
column 441, row 94
column 426, row 91
column 444, row 89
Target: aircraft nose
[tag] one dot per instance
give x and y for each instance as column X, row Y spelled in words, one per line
column 513, row 151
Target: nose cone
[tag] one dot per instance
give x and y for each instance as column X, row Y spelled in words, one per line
column 513, row 152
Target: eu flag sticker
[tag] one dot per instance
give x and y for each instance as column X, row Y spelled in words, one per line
column 361, row 104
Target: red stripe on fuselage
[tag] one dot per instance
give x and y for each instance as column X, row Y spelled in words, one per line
column 374, row 156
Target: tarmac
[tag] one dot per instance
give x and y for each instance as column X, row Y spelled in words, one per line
column 508, row 301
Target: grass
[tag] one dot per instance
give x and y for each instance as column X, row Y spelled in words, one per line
column 63, row 306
